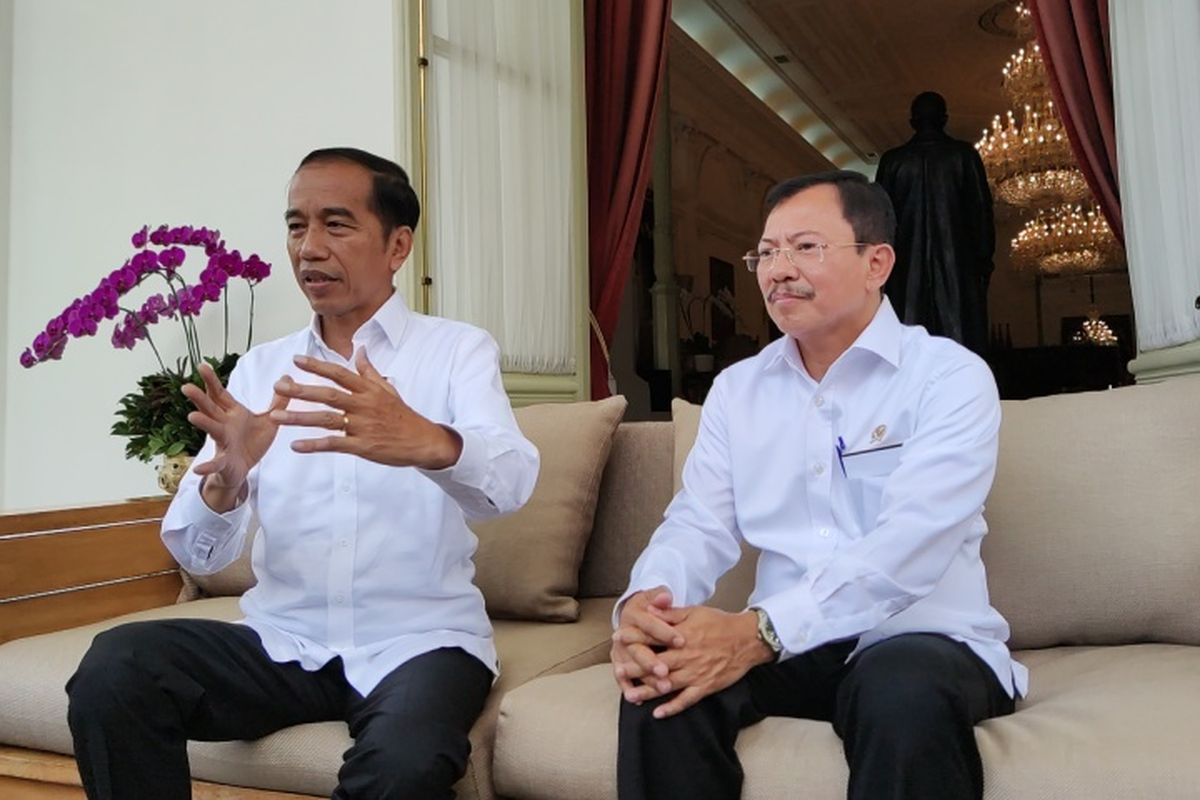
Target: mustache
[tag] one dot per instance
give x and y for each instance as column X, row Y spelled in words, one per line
column 792, row 290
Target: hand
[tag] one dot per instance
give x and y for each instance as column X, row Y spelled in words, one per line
column 721, row 648
column 374, row 420
column 636, row 666
column 241, row 438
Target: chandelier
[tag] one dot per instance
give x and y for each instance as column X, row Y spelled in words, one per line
column 1067, row 240
column 1029, row 160
column 1030, row 165
column 1095, row 331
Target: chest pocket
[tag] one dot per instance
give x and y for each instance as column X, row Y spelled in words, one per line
column 867, row 472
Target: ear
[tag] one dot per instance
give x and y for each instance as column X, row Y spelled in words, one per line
column 399, row 246
column 879, row 267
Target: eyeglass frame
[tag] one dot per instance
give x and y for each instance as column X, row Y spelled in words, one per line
column 752, row 259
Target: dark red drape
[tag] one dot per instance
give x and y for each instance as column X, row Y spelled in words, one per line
column 1073, row 37
column 625, row 54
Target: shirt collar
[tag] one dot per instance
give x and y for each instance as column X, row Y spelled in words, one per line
column 881, row 337
column 391, row 320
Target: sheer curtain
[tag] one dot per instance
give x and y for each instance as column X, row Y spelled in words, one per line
column 1156, row 58
column 502, row 175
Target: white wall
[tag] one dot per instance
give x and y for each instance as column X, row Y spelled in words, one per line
column 138, row 111
column 6, row 17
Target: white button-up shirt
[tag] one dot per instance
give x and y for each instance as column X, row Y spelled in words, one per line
column 356, row 559
column 864, row 493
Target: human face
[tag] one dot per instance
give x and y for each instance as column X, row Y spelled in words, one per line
column 823, row 303
column 340, row 257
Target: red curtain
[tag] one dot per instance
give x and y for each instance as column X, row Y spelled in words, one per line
column 1073, row 37
column 625, row 52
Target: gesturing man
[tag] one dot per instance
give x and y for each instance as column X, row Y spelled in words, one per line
column 359, row 444
column 855, row 453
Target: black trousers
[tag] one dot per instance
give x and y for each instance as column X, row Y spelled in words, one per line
column 905, row 709
column 145, row 688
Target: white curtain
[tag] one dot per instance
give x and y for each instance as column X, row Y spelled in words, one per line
column 502, row 179
column 1156, row 64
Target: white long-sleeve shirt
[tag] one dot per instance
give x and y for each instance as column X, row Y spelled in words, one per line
column 864, row 493
column 356, row 559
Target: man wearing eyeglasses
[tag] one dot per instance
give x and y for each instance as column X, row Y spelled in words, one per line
column 855, row 454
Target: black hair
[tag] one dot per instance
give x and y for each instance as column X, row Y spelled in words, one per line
column 865, row 205
column 392, row 199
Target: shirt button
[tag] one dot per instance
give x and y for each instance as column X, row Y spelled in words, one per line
column 343, row 542
column 818, row 469
column 339, row 599
column 345, row 488
column 818, row 401
column 823, row 533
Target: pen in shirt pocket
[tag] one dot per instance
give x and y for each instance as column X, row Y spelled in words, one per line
column 841, row 448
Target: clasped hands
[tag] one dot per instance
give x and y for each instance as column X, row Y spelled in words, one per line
column 692, row 651
column 370, row 417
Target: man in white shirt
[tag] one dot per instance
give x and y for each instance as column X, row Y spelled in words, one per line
column 855, row 453
column 357, row 447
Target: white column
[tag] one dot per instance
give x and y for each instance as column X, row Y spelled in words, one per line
column 1156, row 58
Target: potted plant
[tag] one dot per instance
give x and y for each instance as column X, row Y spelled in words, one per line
column 154, row 417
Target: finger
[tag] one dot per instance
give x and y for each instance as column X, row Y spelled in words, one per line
column 278, row 402
column 671, row 616
column 213, row 387
column 367, row 370
column 333, row 420
column 334, row 444
column 648, row 660
column 661, row 598
column 630, row 635
column 680, row 702
column 656, row 629
column 209, row 467
column 325, row 395
column 201, row 401
column 339, row 375
column 207, row 424
column 642, row 692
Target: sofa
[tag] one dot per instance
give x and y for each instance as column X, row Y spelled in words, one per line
column 1093, row 557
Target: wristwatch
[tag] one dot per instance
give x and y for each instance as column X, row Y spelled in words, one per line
column 766, row 632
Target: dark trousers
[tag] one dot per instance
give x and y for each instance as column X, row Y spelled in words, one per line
column 905, row 709
column 145, row 688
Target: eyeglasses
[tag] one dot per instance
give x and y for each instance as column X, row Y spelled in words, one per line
column 804, row 253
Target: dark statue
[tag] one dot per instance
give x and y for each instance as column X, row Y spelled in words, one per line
column 945, row 236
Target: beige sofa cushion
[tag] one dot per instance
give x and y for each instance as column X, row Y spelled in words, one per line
column 635, row 490
column 1106, row 723
column 1095, row 517
column 305, row 758
column 527, row 564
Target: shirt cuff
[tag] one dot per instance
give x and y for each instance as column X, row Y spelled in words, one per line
column 213, row 530
column 795, row 615
column 471, row 469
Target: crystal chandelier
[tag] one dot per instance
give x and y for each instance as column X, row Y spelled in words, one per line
column 1029, row 160
column 1095, row 331
column 1067, row 240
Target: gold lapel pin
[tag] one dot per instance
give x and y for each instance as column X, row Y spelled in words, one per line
column 878, row 434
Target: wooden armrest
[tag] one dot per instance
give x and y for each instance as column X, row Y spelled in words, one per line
column 69, row 567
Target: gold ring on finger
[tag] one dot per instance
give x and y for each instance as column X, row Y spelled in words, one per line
column 345, row 421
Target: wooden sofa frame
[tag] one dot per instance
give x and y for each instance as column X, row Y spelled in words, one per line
column 68, row 567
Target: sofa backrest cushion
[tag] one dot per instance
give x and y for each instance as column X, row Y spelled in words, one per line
column 527, row 564
column 1095, row 517
column 635, row 490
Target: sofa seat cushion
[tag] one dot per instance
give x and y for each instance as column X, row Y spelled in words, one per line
column 305, row 758
column 1100, row 723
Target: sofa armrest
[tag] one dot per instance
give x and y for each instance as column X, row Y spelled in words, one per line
column 69, row 567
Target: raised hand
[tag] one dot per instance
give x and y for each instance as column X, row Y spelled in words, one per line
column 639, row 671
column 241, row 437
column 372, row 419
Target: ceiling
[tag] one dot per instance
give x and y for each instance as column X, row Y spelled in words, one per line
column 857, row 64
